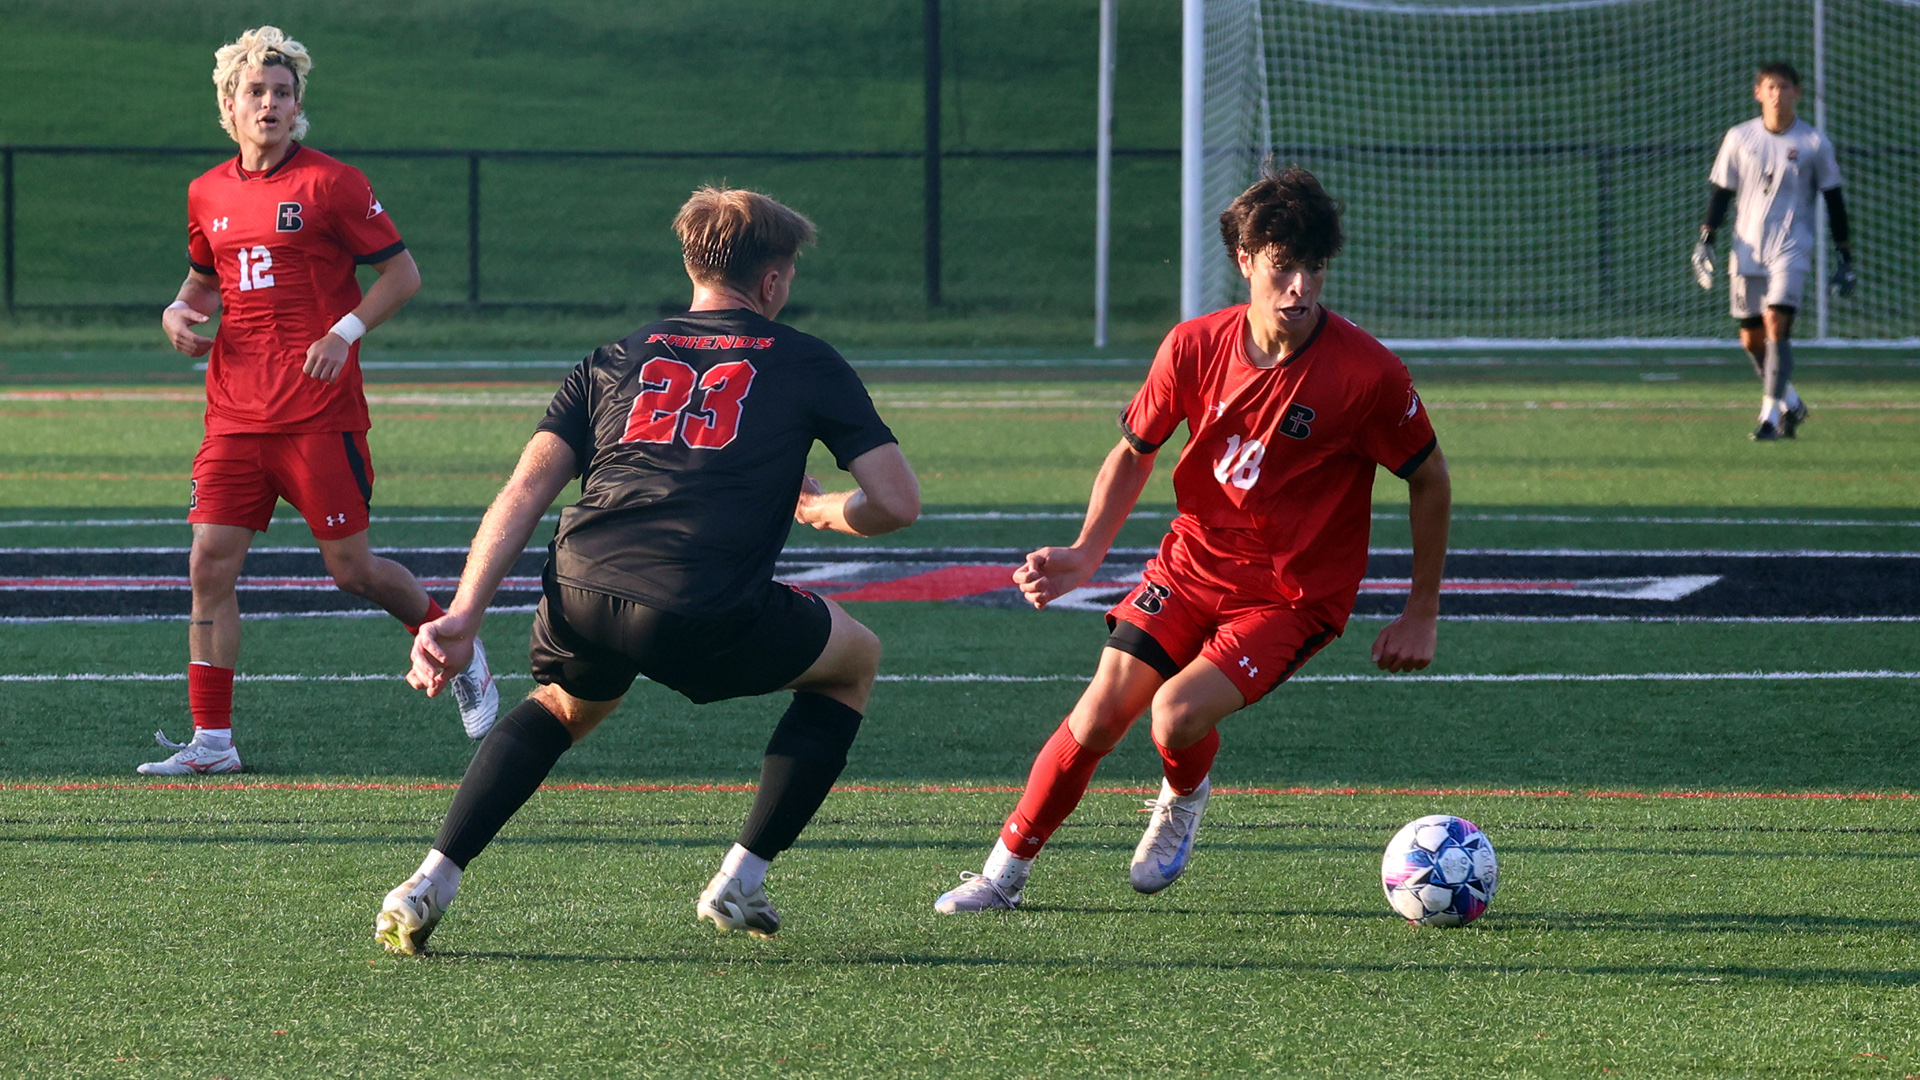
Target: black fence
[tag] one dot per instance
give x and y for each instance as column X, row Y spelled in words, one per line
column 65, row 204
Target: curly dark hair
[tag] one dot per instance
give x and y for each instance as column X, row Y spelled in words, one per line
column 1286, row 211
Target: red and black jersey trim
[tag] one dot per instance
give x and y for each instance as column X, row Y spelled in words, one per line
column 208, row 270
column 382, row 255
column 1139, row 444
column 268, row 175
column 1307, row 344
column 359, row 466
column 1413, row 463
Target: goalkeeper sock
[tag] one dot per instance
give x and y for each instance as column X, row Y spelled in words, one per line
column 1793, row 397
column 505, row 772
column 1779, row 373
column 1060, row 775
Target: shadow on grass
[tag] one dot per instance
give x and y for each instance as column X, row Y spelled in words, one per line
column 1813, row 976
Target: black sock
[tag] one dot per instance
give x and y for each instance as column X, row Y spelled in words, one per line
column 507, row 769
column 804, row 758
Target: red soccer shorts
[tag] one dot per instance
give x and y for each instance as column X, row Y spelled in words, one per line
column 1255, row 643
column 327, row 476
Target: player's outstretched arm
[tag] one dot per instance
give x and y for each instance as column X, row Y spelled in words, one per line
column 1407, row 643
column 198, row 301
column 887, row 500
column 1052, row 572
column 399, row 280
column 445, row 645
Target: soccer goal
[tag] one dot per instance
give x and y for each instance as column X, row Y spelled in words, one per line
column 1536, row 171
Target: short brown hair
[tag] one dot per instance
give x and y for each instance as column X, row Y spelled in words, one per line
column 1287, row 211
column 730, row 235
column 1780, row 70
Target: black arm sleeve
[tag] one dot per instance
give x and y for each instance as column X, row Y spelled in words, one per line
column 1836, row 217
column 1717, row 205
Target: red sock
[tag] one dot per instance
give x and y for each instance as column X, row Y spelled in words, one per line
column 1059, row 778
column 1187, row 766
column 434, row 611
column 210, row 695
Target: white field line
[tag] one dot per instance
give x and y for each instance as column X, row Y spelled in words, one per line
column 977, row 677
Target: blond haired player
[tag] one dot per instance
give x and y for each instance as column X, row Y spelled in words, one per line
column 690, row 439
column 1774, row 165
column 273, row 237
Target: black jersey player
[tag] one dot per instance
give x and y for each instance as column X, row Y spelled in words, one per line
column 690, row 437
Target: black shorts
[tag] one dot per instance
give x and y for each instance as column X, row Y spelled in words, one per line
column 593, row 645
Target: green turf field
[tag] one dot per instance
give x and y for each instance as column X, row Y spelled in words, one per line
column 1699, row 878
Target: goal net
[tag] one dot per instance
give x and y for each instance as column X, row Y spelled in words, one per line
column 1538, row 170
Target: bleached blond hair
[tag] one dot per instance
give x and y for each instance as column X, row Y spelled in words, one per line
column 265, row 46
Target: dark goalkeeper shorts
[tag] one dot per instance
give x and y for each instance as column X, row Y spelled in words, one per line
column 593, row 645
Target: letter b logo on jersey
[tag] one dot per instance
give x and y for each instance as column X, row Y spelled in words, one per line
column 288, row 219
column 1296, row 424
column 1151, row 598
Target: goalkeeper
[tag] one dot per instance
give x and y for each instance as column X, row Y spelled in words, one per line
column 1769, row 168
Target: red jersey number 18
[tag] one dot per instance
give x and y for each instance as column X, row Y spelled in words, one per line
column 1241, row 464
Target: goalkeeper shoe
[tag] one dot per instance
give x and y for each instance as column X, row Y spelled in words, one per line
column 474, row 691
column 1791, row 420
column 976, row 892
column 409, row 914
column 192, row 757
column 730, row 907
column 1766, row 432
column 1167, row 845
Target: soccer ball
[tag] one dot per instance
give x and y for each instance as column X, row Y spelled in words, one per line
column 1439, row 870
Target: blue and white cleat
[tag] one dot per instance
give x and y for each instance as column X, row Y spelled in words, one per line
column 476, row 694
column 1167, row 845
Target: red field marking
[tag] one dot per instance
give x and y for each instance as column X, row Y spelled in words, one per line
column 949, row 583
column 979, row 789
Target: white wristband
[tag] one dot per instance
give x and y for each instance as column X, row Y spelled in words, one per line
column 349, row 329
column 177, row 305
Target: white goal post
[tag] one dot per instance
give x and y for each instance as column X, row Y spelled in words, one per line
column 1534, row 171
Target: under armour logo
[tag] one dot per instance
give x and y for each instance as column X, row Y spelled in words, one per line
column 219, row 223
column 1247, row 662
column 336, row 519
column 1219, row 410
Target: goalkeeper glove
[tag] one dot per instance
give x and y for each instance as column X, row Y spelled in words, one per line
column 1844, row 279
column 1703, row 261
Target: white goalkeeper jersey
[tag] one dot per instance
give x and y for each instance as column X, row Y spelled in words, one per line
column 1776, row 178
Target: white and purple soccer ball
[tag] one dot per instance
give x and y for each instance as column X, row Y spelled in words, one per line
column 1439, row 870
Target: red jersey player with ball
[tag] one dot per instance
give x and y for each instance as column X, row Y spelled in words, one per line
column 273, row 237
column 1289, row 410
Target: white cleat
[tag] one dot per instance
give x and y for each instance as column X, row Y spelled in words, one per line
column 976, row 892
column 476, row 694
column 409, row 914
column 729, row 907
column 192, row 758
column 1167, row 844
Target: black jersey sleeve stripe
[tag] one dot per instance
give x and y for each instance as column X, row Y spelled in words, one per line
column 1413, row 463
column 196, row 266
column 382, row 255
column 1139, row 444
